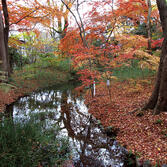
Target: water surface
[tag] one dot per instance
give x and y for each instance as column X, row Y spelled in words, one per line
column 63, row 107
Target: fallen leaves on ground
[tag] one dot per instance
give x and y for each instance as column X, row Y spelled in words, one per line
column 146, row 134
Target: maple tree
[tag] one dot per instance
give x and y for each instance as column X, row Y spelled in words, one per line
column 88, row 53
column 24, row 16
column 107, row 36
column 104, row 43
column 8, row 19
column 54, row 16
column 102, row 40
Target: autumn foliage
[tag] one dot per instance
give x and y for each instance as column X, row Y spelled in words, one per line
column 104, row 41
column 108, row 35
column 109, row 42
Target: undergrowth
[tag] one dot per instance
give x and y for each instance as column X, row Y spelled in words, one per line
column 132, row 72
column 29, row 144
column 46, row 72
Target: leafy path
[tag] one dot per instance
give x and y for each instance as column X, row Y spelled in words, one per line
column 146, row 134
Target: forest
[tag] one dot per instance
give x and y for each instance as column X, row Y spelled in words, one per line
column 114, row 53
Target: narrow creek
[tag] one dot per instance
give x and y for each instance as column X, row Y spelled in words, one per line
column 61, row 106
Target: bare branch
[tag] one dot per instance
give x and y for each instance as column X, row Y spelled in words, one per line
column 80, row 28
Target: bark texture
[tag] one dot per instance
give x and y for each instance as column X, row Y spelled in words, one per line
column 3, row 54
column 158, row 99
column 6, row 33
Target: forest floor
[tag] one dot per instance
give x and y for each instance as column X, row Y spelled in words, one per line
column 141, row 132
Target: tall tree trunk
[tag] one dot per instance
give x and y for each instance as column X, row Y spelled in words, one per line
column 158, row 100
column 3, row 55
column 162, row 98
column 154, row 97
column 6, row 33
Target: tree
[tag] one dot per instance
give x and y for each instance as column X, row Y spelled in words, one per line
column 93, row 46
column 149, row 24
column 60, row 16
column 3, row 54
column 53, row 15
column 158, row 99
column 5, row 25
column 100, row 49
column 4, row 37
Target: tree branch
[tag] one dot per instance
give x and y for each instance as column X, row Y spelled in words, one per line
column 24, row 17
column 80, row 28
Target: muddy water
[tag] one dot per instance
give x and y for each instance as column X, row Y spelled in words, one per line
column 61, row 106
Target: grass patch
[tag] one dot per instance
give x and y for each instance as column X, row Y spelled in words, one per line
column 132, row 72
column 29, row 144
column 6, row 87
column 43, row 73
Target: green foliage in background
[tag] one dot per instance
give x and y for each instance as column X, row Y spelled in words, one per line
column 16, row 59
column 132, row 72
column 141, row 29
column 48, row 70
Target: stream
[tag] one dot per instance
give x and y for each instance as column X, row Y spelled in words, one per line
column 61, row 106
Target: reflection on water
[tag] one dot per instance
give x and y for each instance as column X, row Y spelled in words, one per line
column 90, row 147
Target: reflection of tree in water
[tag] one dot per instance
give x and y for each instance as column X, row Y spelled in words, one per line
column 93, row 147
column 90, row 146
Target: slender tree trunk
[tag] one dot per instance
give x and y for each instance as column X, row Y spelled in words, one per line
column 6, row 17
column 80, row 25
column 3, row 55
column 6, row 33
column 149, row 24
column 158, row 100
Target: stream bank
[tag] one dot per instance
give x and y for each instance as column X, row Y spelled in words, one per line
column 63, row 107
column 143, row 134
column 22, row 84
column 113, row 119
